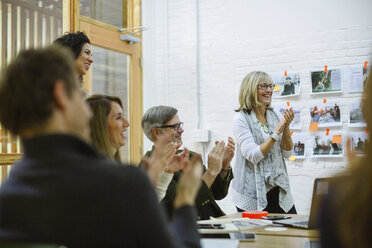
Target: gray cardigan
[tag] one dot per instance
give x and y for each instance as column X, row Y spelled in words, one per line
column 253, row 181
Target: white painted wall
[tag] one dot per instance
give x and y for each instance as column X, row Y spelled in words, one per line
column 211, row 45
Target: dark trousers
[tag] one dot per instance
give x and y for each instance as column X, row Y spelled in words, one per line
column 273, row 203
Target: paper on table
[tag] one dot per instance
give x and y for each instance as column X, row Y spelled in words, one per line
column 218, row 221
column 229, row 227
column 220, row 243
column 234, row 224
column 244, row 224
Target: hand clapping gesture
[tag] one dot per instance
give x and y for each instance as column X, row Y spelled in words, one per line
column 229, row 152
column 160, row 158
column 284, row 123
column 215, row 157
column 189, row 183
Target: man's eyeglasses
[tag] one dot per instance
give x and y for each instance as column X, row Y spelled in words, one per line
column 176, row 126
column 265, row 86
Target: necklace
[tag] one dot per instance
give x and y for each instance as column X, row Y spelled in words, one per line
column 264, row 126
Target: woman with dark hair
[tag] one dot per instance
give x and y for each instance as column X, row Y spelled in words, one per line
column 80, row 46
column 346, row 216
column 108, row 124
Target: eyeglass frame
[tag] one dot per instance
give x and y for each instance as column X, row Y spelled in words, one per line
column 271, row 86
column 174, row 126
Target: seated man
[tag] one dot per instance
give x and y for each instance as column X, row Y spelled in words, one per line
column 216, row 179
column 63, row 190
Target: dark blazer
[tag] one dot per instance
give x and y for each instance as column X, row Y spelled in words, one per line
column 63, row 191
column 205, row 201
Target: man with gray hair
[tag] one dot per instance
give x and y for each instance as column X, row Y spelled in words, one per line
column 161, row 120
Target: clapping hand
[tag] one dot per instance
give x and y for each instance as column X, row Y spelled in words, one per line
column 215, row 158
column 288, row 116
column 161, row 157
column 178, row 162
column 189, row 183
column 229, row 152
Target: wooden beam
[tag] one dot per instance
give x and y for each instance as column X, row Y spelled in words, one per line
column 9, row 158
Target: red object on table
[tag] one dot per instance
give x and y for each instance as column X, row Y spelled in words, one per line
column 254, row 214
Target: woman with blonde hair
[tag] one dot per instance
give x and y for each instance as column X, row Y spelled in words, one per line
column 346, row 217
column 263, row 140
column 108, row 124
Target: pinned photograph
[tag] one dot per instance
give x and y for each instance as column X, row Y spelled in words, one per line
column 355, row 115
column 358, row 76
column 326, row 113
column 279, row 109
column 286, row 86
column 327, row 144
column 326, row 82
column 359, row 140
column 299, row 150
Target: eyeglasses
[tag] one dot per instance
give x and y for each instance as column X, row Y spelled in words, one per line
column 176, row 126
column 265, row 86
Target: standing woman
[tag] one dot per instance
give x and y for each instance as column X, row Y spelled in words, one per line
column 80, row 46
column 263, row 141
column 108, row 125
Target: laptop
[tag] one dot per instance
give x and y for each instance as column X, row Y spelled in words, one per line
column 319, row 192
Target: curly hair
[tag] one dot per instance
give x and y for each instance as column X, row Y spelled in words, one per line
column 73, row 41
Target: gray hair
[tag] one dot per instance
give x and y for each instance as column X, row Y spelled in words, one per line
column 155, row 117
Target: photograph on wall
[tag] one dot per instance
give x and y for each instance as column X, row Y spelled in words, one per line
column 359, row 140
column 280, row 107
column 326, row 113
column 327, row 144
column 357, row 78
column 355, row 115
column 299, row 150
column 326, row 82
column 286, row 86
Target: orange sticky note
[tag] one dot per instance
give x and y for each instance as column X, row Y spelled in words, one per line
column 288, row 104
column 324, row 100
column 314, row 126
column 365, row 64
column 291, row 133
column 337, row 139
column 292, row 158
column 285, row 73
column 277, row 87
column 367, row 130
column 327, row 131
column 326, row 68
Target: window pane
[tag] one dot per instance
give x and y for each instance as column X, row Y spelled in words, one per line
column 107, row 11
column 110, row 77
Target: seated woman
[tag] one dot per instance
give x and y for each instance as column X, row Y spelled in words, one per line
column 108, row 133
column 108, row 125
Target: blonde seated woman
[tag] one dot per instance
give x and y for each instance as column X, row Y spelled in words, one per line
column 109, row 133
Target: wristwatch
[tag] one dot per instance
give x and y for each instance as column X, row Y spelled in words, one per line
column 274, row 135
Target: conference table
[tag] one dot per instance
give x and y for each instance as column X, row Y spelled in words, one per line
column 287, row 237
